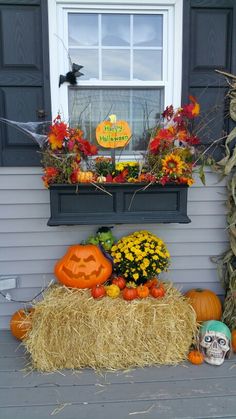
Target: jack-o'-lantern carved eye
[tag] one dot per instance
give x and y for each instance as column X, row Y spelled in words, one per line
column 83, row 266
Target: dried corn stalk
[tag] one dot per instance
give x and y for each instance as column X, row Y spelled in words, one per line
column 227, row 166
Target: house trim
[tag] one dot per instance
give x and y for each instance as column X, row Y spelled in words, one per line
column 58, row 48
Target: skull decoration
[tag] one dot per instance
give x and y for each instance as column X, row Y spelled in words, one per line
column 215, row 342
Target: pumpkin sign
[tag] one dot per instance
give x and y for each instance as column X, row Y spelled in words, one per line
column 113, row 135
column 83, row 266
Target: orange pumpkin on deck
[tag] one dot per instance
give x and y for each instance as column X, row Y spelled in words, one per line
column 83, row 266
column 21, row 322
column 205, row 303
column 233, row 339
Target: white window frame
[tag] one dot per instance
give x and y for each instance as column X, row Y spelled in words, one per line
column 172, row 61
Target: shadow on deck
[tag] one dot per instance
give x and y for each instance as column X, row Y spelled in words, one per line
column 183, row 391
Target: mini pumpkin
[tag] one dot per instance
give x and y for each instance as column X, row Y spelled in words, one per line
column 113, row 291
column 83, row 266
column 129, row 293
column 101, row 179
column 84, row 177
column 205, row 303
column 233, row 340
column 98, row 291
column 21, row 323
column 120, row 281
column 157, row 291
column 142, row 291
column 151, row 282
column 195, row 357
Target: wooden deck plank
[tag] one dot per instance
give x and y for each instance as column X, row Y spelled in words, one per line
column 118, row 392
column 205, row 408
column 14, row 379
column 184, row 391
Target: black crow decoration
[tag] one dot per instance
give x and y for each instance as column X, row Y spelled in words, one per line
column 70, row 77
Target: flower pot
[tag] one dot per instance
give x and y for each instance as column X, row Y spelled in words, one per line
column 115, row 203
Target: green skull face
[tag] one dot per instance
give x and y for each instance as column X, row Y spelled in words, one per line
column 106, row 239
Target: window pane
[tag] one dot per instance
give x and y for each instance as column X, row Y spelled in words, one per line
column 141, row 108
column 115, row 30
column 87, row 58
column 83, row 29
column 147, row 65
column 115, row 64
column 148, row 30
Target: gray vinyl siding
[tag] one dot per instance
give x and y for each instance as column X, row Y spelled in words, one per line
column 29, row 248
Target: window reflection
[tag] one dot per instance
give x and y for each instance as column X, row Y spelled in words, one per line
column 141, row 108
column 147, row 65
column 83, row 29
column 148, row 30
column 115, row 64
column 87, row 58
column 115, row 30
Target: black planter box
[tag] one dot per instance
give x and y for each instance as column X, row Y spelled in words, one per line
column 118, row 204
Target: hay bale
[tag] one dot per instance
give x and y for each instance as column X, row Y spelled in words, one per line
column 70, row 329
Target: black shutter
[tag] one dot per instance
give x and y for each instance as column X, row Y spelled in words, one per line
column 24, row 76
column 209, row 43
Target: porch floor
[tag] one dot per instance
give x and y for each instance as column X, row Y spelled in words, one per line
column 183, row 391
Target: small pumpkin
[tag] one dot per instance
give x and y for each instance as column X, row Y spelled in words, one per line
column 83, row 266
column 129, row 293
column 98, row 291
column 21, row 323
column 113, row 291
column 195, row 357
column 101, row 179
column 205, row 303
column 233, row 340
column 84, row 177
column 113, row 135
column 157, row 291
column 151, row 282
column 142, row 291
column 120, row 281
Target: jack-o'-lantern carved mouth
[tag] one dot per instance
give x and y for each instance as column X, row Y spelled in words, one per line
column 82, row 275
column 85, row 269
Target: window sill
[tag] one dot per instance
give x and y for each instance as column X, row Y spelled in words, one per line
column 117, row 204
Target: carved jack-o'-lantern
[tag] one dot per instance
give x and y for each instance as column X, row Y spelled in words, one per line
column 83, row 266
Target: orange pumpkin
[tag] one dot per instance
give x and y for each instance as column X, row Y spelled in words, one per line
column 233, row 340
column 142, row 291
column 205, row 303
column 84, row 177
column 195, row 357
column 151, row 282
column 129, row 293
column 113, row 135
column 21, row 322
column 83, row 266
column 120, row 281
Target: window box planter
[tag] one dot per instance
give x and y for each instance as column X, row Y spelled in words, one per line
column 123, row 204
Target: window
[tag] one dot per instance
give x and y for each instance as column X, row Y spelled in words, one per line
column 131, row 66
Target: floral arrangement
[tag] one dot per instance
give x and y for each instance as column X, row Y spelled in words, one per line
column 169, row 158
column 140, row 256
column 63, row 153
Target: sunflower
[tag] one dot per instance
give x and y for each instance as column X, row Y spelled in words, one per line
column 172, row 164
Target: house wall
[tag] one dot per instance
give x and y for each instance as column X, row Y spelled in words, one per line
column 29, row 248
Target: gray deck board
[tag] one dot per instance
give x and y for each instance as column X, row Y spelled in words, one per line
column 166, row 392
